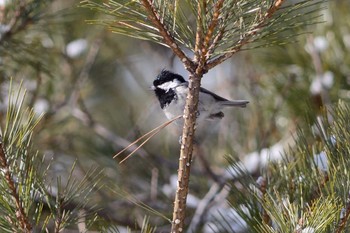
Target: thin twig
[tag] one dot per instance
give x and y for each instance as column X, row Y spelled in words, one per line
column 204, row 206
column 85, row 71
column 343, row 220
column 199, row 32
column 154, row 184
column 204, row 49
column 212, row 26
column 19, row 14
column 215, row 42
column 198, row 152
column 322, row 98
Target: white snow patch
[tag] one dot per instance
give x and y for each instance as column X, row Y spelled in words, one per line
column 76, row 48
column 321, row 161
column 251, row 162
column 320, row 43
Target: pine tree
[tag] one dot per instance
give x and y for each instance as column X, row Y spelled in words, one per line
column 221, row 29
column 304, row 189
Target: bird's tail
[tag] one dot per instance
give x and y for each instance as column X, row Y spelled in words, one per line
column 235, row 103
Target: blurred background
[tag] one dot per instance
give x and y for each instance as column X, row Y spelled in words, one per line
column 94, row 88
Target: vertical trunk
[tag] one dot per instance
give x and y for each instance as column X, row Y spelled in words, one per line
column 185, row 159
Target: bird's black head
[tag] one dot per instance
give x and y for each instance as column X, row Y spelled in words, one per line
column 164, row 85
column 167, row 76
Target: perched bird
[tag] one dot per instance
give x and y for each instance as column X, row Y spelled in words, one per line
column 171, row 90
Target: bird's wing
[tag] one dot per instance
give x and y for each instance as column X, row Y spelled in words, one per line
column 226, row 102
column 215, row 96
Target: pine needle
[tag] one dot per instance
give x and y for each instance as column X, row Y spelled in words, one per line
column 148, row 136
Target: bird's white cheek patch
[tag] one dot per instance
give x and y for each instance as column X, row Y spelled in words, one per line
column 168, row 85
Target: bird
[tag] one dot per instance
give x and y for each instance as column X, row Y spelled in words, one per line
column 171, row 90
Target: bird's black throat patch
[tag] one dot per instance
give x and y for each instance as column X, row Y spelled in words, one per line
column 165, row 97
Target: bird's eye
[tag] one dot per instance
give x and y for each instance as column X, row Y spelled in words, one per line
column 155, row 83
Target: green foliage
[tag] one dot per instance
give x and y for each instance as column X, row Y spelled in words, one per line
column 130, row 18
column 291, row 72
column 25, row 186
column 240, row 22
column 22, row 38
column 19, row 166
column 146, row 227
column 71, row 203
column 306, row 191
column 98, row 101
column 290, row 217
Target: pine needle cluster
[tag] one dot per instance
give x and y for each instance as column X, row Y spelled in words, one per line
column 307, row 190
column 30, row 200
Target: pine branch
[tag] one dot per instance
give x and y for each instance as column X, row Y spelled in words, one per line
column 275, row 6
column 20, row 213
column 262, row 182
column 19, row 175
column 185, row 160
column 169, row 40
column 190, row 116
column 212, row 26
column 345, row 217
column 247, row 37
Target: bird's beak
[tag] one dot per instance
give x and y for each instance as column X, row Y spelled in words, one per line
column 152, row 88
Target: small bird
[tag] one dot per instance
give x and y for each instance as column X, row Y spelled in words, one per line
column 171, row 90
